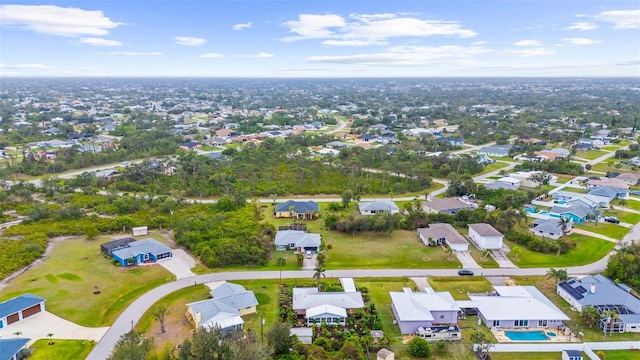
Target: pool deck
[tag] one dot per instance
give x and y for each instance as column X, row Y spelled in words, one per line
column 560, row 337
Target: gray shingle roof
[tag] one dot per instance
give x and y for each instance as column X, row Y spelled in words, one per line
column 378, row 205
column 485, row 229
column 144, row 246
column 299, row 206
column 297, row 237
column 234, row 295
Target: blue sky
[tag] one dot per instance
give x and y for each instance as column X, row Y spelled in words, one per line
column 320, row 38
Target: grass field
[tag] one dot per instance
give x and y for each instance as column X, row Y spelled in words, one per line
column 591, row 155
column 624, row 216
column 487, row 262
column 460, row 286
column 70, row 275
column 492, row 167
column 588, row 250
column 631, row 204
column 611, row 230
column 525, row 356
column 61, row 349
column 622, row 354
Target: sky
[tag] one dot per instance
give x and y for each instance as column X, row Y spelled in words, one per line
column 320, row 38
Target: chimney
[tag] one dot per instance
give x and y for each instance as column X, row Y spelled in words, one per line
column 593, row 288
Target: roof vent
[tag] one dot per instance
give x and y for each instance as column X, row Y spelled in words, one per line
column 593, row 288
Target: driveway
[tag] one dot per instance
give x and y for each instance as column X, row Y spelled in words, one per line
column 180, row 264
column 309, row 264
column 39, row 325
column 502, row 260
column 467, row 261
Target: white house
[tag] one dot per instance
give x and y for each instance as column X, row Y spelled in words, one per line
column 485, row 236
column 377, row 207
column 525, row 178
column 437, row 234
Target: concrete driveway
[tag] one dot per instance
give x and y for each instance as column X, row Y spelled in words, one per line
column 180, row 264
column 309, row 264
column 39, row 325
column 467, row 261
column 502, row 260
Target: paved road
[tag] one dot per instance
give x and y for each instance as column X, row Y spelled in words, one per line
column 134, row 312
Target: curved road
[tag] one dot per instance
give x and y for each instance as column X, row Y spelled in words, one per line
column 134, row 312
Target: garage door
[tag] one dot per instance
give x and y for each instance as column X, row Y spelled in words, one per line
column 30, row 311
column 12, row 318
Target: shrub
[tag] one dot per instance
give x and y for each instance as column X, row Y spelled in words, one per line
column 419, row 347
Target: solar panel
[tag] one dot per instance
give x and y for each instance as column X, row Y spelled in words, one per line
column 581, row 289
column 573, row 292
column 571, row 281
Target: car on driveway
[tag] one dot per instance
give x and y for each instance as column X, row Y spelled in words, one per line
column 465, row 272
column 612, row 219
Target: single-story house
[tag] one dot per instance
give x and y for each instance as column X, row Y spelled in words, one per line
column 615, row 182
column 307, row 210
column 212, row 314
column 495, row 185
column 297, row 240
column 443, row 234
column 485, row 236
column 605, row 295
column 518, row 307
column 304, row 334
column 144, row 250
column 631, row 179
column 106, row 174
column 591, row 201
column 447, row 205
column 325, row 306
column 495, row 150
column 548, row 228
column 452, row 141
column 610, row 192
column 236, row 296
column 337, row 145
column 190, row 145
column 19, row 308
column 10, row 348
column 577, row 212
column 525, row 178
column 571, row 355
column 414, row 310
column 110, row 246
column 378, row 207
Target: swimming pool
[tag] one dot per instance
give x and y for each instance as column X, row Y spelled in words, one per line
column 526, row 335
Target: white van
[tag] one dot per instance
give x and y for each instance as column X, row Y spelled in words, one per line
column 308, row 254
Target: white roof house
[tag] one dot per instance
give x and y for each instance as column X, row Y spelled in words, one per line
column 419, row 309
column 306, row 298
column 518, row 306
column 377, row 207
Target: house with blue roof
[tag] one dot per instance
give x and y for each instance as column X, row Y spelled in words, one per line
column 10, row 348
column 19, row 308
column 307, row 210
column 141, row 251
column 605, row 295
column 610, row 192
column 576, row 212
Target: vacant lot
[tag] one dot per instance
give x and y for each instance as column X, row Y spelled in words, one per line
column 76, row 269
column 588, row 250
column 458, row 287
column 591, row 155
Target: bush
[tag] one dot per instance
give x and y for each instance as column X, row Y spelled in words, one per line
column 419, row 347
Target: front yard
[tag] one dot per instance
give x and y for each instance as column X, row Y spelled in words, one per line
column 61, row 349
column 73, row 271
column 604, row 228
column 460, row 286
column 588, row 250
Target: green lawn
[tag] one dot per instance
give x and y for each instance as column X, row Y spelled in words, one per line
column 492, row 167
column 526, row 356
column 564, row 178
column 548, row 288
column 61, row 349
column 268, row 294
column 485, row 261
column 460, row 286
column 622, row 354
column 574, row 190
column 378, row 290
column 591, row 155
column 70, row 275
column 611, row 230
column 403, row 249
column 631, row 204
column 588, row 250
column 624, row 216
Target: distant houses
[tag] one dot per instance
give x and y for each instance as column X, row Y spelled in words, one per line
column 304, row 210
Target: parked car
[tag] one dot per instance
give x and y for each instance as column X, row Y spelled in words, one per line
column 465, row 272
column 612, row 219
column 309, row 254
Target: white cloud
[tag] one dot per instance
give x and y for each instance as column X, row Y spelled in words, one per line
column 479, row 43
column 407, row 55
column 26, row 66
column 369, row 29
column 239, row 27
column 210, row 56
column 56, row 20
column 582, row 26
column 93, row 41
column 262, row 55
column 534, row 51
column 528, row 43
column 131, row 53
column 580, row 41
column 189, row 41
column 623, row 19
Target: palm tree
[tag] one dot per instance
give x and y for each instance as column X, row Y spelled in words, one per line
column 564, row 222
column 611, row 318
column 319, row 274
column 50, row 335
column 17, row 333
column 557, row 274
column 516, row 252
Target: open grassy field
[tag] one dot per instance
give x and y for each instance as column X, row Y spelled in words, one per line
column 403, row 249
column 562, row 178
column 460, row 286
column 588, row 250
column 61, row 349
column 73, row 271
column 607, row 229
column 548, row 288
column 492, row 167
column 622, row 354
column 591, row 154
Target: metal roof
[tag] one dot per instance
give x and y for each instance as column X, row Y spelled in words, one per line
column 16, row 304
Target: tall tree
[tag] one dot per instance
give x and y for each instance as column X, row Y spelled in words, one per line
column 131, row 346
column 205, row 345
column 278, row 338
column 160, row 313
